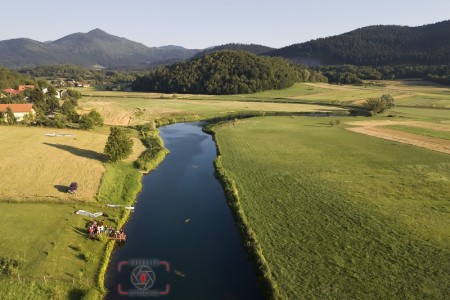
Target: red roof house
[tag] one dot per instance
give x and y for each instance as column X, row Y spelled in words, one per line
column 19, row 110
column 11, row 91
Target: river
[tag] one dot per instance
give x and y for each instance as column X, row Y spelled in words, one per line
column 182, row 242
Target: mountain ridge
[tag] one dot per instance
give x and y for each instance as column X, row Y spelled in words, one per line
column 376, row 45
column 95, row 47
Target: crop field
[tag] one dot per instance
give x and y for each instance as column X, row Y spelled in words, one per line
column 339, row 214
column 39, row 167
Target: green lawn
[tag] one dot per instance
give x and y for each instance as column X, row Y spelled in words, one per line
column 339, row 214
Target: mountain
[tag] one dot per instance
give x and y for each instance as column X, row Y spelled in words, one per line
column 88, row 49
column 252, row 48
column 376, row 45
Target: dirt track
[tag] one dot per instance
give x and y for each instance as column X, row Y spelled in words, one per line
column 376, row 129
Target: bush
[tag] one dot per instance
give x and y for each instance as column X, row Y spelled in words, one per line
column 8, row 266
column 96, row 117
column 86, row 122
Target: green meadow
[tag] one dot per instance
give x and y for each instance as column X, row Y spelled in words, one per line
column 339, row 214
column 336, row 214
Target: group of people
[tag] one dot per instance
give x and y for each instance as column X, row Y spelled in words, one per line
column 96, row 228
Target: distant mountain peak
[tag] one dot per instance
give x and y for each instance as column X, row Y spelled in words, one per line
column 97, row 32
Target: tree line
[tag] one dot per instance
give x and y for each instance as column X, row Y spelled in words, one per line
column 351, row 74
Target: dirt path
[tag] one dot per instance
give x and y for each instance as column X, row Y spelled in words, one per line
column 376, row 129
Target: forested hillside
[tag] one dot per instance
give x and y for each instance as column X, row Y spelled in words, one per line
column 225, row 72
column 11, row 79
column 376, row 46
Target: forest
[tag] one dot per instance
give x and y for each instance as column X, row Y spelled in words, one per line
column 378, row 45
column 351, row 74
column 226, row 72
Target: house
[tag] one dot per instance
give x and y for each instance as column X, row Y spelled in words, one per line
column 19, row 110
column 11, row 92
column 24, row 87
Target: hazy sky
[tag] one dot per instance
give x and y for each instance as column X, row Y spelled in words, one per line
column 204, row 23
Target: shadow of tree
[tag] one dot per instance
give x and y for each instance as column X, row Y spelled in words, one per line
column 61, row 188
column 76, row 294
column 80, row 152
column 81, row 231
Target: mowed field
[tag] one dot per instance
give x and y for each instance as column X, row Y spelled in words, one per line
column 39, row 167
column 339, row 214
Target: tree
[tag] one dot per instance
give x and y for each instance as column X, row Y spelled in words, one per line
column 74, row 94
column 96, row 117
column 379, row 105
column 10, row 117
column 86, row 122
column 388, row 101
column 119, row 145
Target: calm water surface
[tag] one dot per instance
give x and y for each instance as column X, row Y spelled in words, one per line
column 181, row 217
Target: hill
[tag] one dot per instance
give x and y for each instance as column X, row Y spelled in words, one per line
column 251, row 48
column 11, row 79
column 224, row 72
column 88, row 49
column 376, row 45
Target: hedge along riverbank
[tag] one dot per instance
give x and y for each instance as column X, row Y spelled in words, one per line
column 267, row 283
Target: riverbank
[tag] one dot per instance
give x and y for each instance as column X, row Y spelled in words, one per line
column 122, row 183
column 253, row 248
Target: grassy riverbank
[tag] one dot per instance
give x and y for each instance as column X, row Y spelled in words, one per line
column 339, row 214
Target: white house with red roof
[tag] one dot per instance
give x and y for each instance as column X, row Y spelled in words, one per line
column 19, row 110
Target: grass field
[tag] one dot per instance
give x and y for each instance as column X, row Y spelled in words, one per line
column 40, row 167
column 57, row 261
column 340, row 214
column 50, row 240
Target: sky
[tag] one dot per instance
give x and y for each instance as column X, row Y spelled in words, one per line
column 198, row 24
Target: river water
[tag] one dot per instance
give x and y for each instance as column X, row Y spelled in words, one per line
column 182, row 242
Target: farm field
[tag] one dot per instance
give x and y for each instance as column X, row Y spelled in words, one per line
column 40, row 167
column 120, row 108
column 339, row 214
column 422, row 134
column 132, row 111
